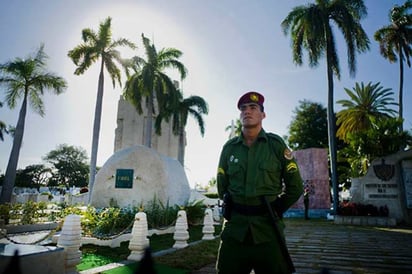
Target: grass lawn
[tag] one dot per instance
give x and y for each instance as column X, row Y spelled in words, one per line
column 202, row 253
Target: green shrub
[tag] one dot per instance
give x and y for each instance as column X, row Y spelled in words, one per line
column 160, row 215
column 195, row 212
column 5, row 212
column 29, row 213
column 112, row 221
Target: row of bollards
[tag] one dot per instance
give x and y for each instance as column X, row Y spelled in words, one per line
column 139, row 240
column 70, row 237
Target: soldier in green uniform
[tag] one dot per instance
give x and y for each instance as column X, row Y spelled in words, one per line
column 254, row 167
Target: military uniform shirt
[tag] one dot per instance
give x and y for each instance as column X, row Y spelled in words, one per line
column 250, row 172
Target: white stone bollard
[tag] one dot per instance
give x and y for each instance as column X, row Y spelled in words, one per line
column 139, row 240
column 70, row 240
column 181, row 234
column 208, row 228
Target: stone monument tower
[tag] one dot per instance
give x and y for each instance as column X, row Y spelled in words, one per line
column 134, row 175
column 130, row 131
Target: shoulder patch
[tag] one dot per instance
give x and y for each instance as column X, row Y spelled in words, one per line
column 288, row 154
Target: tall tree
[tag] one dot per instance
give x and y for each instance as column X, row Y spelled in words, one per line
column 311, row 28
column 150, row 82
column 26, row 80
column 69, row 166
column 395, row 43
column 309, row 126
column 195, row 106
column 97, row 46
column 367, row 105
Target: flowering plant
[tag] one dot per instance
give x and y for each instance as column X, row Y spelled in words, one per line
column 358, row 209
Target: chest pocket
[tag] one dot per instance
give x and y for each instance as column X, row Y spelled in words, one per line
column 234, row 170
column 236, row 174
column 270, row 173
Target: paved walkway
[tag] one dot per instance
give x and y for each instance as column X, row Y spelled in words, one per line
column 316, row 245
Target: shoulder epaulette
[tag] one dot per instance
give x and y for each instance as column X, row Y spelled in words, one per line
column 231, row 141
column 276, row 137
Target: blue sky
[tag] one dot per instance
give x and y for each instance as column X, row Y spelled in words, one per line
column 229, row 46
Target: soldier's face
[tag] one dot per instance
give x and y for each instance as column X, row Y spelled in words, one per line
column 251, row 115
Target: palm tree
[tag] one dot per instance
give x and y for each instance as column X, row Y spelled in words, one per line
column 195, row 106
column 395, row 43
column 25, row 79
column 97, row 46
column 367, row 105
column 235, row 128
column 311, row 28
column 150, row 82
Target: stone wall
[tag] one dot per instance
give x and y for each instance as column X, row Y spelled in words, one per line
column 313, row 166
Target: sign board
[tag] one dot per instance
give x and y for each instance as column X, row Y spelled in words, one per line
column 381, row 191
column 124, row 178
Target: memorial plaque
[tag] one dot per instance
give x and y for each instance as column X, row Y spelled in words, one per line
column 381, row 191
column 124, row 178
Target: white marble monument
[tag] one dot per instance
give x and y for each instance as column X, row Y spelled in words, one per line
column 136, row 175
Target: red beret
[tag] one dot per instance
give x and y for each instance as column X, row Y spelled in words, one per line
column 251, row 97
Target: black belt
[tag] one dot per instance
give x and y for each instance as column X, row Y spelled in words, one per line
column 251, row 210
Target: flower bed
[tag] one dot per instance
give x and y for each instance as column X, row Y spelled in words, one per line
column 367, row 215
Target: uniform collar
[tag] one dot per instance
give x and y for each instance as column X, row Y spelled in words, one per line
column 261, row 136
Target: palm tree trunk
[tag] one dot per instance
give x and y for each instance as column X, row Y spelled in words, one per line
column 401, row 90
column 181, row 149
column 332, row 137
column 149, row 122
column 96, row 130
column 10, row 175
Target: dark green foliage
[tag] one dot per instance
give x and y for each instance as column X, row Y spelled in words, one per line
column 32, row 176
column 110, row 221
column 5, row 212
column 69, row 166
column 309, row 126
column 195, row 211
column 384, row 139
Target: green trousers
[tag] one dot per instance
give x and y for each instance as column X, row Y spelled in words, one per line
column 241, row 257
